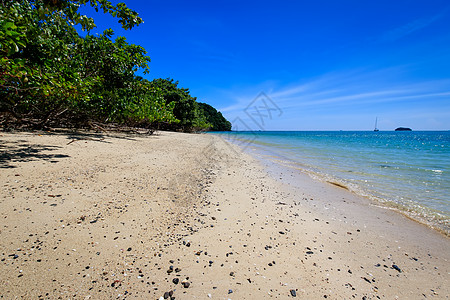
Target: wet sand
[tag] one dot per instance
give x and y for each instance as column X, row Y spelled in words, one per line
column 102, row 216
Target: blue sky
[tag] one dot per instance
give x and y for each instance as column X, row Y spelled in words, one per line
column 324, row 65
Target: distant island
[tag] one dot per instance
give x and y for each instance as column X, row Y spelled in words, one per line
column 403, row 129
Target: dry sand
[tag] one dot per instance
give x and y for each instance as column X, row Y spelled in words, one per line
column 96, row 216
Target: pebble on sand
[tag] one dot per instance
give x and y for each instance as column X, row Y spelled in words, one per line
column 185, row 284
column 395, row 267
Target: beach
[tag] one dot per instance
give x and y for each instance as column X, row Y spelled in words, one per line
column 106, row 215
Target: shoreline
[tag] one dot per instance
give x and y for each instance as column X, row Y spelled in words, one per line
column 291, row 175
column 375, row 201
column 123, row 216
column 427, row 216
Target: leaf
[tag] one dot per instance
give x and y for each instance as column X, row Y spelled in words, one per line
column 12, row 48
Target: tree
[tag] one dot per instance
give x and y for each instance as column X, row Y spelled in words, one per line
column 186, row 108
column 215, row 118
column 48, row 71
column 50, row 75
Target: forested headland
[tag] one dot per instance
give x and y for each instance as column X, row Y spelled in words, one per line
column 51, row 76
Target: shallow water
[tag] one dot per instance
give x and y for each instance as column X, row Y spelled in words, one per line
column 408, row 171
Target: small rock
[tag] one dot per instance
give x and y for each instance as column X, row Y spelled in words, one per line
column 185, row 284
column 175, row 280
column 367, row 280
column 395, row 267
column 293, row 293
column 230, row 291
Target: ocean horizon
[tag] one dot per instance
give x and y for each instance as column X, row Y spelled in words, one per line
column 405, row 171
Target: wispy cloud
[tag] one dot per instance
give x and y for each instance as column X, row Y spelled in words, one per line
column 347, row 93
column 365, row 99
column 409, row 28
column 359, row 94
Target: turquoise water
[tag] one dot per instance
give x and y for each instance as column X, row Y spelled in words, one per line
column 408, row 171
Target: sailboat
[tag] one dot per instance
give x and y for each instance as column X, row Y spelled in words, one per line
column 376, row 122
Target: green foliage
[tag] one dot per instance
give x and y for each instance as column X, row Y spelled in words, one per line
column 186, row 108
column 48, row 70
column 214, row 117
column 11, row 36
column 49, row 73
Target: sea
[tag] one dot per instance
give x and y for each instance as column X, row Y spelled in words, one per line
column 404, row 171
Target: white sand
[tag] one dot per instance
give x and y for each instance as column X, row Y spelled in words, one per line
column 93, row 216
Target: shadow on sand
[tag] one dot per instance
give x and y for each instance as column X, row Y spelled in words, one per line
column 21, row 151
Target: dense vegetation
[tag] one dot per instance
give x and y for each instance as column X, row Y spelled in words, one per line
column 52, row 76
column 215, row 118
